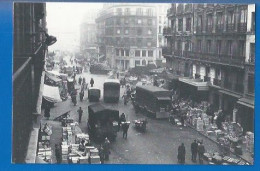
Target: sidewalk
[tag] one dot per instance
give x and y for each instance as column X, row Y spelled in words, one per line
column 246, row 157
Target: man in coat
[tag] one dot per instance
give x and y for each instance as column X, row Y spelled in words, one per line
column 125, row 127
column 80, row 112
column 92, row 82
column 201, row 151
column 194, row 150
column 181, row 153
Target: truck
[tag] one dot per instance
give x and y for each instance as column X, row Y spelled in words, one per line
column 102, row 122
column 111, row 90
column 154, row 100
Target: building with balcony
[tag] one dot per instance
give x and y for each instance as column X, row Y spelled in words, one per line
column 214, row 44
column 162, row 22
column 127, row 34
column 29, row 54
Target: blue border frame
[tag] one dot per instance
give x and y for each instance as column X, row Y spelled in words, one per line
column 6, row 43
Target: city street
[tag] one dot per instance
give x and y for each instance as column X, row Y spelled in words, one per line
column 158, row 145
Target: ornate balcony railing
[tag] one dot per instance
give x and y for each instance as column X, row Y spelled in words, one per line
column 230, row 27
column 218, row 58
column 209, row 28
column 198, row 29
column 178, row 53
column 242, row 27
column 219, row 28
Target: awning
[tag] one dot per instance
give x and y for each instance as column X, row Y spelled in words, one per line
column 201, row 86
column 230, row 93
column 163, row 98
column 247, row 102
column 51, row 94
column 53, row 78
column 54, row 73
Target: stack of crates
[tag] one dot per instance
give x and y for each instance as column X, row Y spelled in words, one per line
column 80, row 137
column 64, row 152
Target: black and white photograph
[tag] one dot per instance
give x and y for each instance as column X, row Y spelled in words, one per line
column 133, row 83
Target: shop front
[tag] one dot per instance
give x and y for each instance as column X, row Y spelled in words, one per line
column 228, row 102
column 245, row 115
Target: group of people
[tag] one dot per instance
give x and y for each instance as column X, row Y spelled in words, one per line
column 84, row 86
column 197, row 149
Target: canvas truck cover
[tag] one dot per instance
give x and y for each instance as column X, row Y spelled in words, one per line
column 99, row 112
column 156, row 91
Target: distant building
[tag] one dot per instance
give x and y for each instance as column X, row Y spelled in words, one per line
column 127, row 34
column 88, row 35
column 211, row 50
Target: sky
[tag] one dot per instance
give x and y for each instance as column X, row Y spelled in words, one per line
column 63, row 22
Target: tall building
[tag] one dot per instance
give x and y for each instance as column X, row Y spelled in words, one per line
column 28, row 72
column 211, row 52
column 127, row 34
column 162, row 22
column 88, row 42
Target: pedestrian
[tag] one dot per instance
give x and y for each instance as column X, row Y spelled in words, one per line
column 106, row 148
column 80, row 112
column 92, row 82
column 182, row 120
column 81, row 95
column 80, row 80
column 194, row 150
column 122, row 119
column 58, row 153
column 47, row 111
column 181, row 154
column 201, row 151
column 125, row 127
column 101, row 154
column 84, row 80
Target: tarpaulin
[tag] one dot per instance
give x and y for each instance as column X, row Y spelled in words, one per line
column 51, row 94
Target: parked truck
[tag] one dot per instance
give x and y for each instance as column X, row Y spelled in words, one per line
column 153, row 100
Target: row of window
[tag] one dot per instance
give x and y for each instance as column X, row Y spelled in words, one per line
column 130, row 21
column 143, row 62
column 139, row 31
column 219, row 47
column 139, row 11
column 137, row 53
column 126, row 41
column 230, row 22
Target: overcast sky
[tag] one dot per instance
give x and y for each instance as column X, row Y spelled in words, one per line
column 63, row 22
